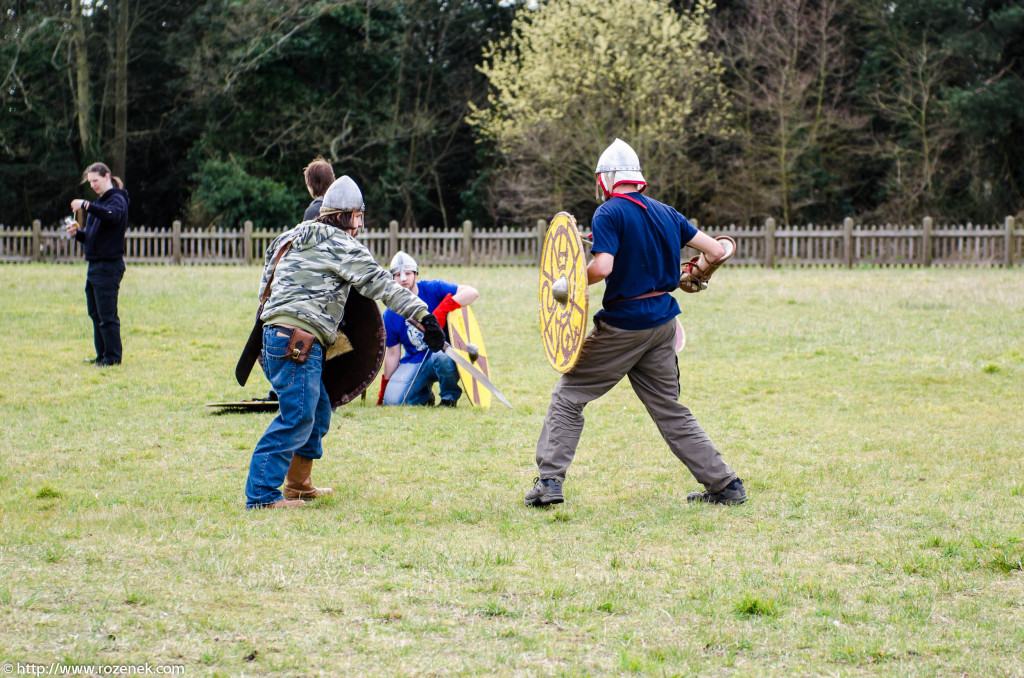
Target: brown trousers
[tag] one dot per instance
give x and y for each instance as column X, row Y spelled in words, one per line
column 648, row 358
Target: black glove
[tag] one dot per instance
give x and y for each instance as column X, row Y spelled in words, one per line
column 433, row 335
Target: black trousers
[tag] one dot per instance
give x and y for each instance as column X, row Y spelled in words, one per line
column 102, row 283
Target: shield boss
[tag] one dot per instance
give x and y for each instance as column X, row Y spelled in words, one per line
column 563, row 293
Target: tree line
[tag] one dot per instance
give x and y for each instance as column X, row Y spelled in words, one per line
column 496, row 110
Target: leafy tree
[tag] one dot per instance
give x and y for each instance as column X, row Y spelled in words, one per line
column 250, row 92
column 48, row 130
column 944, row 83
column 225, row 194
column 37, row 123
column 381, row 89
column 788, row 72
column 573, row 75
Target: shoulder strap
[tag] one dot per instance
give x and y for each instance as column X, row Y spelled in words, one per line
column 280, row 253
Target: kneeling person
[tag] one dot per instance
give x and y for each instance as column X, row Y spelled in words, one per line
column 409, row 380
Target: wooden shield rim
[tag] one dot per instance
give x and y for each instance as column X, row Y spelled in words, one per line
column 247, row 405
column 578, row 294
column 346, row 376
column 460, row 323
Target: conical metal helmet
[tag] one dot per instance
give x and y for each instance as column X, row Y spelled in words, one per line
column 619, row 164
column 401, row 263
column 619, row 156
column 343, row 196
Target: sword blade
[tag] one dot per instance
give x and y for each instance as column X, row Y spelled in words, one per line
column 470, row 367
column 477, row 374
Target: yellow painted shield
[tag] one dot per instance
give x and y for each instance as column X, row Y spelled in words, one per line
column 563, row 293
column 469, row 343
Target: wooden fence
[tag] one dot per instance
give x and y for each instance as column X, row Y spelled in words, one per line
column 767, row 244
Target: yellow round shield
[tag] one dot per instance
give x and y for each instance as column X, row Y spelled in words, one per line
column 469, row 343
column 563, row 293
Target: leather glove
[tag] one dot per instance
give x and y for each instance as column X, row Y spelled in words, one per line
column 695, row 273
column 383, row 387
column 447, row 304
column 433, row 335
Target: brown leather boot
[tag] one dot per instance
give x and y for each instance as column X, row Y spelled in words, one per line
column 286, row 503
column 298, row 483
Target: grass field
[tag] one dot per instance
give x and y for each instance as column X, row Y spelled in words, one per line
column 875, row 415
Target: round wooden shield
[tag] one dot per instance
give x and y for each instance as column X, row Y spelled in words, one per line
column 349, row 374
column 563, row 293
column 469, row 343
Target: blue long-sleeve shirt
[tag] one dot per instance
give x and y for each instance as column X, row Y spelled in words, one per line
column 105, row 226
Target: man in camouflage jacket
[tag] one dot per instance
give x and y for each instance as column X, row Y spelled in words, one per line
column 308, row 288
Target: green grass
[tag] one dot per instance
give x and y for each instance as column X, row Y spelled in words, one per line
column 875, row 415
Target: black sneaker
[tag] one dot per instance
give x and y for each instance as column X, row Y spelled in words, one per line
column 733, row 493
column 446, row 403
column 545, row 491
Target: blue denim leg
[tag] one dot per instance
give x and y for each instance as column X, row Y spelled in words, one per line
column 405, row 380
column 416, row 379
column 313, row 449
column 300, row 417
column 446, row 372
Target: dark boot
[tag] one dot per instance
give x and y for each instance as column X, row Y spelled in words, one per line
column 298, row 483
column 733, row 493
column 545, row 491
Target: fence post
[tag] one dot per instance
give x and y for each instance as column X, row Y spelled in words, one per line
column 37, row 227
column 247, row 242
column 467, row 243
column 1009, row 242
column 176, row 242
column 769, row 242
column 542, row 228
column 926, row 242
column 392, row 238
column 848, row 241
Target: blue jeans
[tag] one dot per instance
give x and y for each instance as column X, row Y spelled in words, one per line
column 303, row 419
column 436, row 367
column 102, row 283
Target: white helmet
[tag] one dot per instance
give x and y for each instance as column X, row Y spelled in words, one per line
column 343, row 196
column 401, row 263
column 619, row 164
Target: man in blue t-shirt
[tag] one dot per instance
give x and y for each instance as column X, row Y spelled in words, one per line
column 409, row 380
column 637, row 250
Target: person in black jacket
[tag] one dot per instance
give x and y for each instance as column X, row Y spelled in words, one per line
column 103, row 241
column 319, row 176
